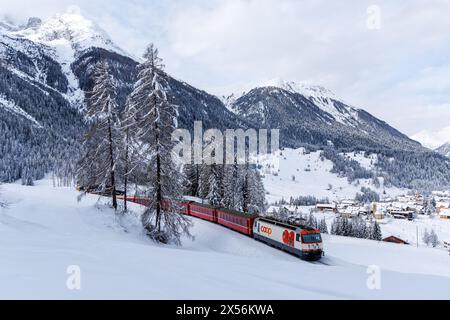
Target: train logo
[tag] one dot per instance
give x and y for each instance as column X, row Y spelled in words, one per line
column 266, row 230
column 289, row 238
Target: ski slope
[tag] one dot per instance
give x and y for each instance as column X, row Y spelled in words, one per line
column 45, row 230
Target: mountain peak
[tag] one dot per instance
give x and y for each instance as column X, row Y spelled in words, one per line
column 34, row 22
column 303, row 88
column 69, row 28
column 320, row 96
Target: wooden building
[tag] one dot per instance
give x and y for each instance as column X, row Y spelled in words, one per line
column 394, row 239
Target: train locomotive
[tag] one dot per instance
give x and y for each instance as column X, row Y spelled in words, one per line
column 301, row 241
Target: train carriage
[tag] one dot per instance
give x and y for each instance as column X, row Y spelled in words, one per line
column 301, row 241
column 237, row 221
column 203, row 211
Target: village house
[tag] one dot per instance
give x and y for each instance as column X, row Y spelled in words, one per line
column 394, row 239
column 444, row 214
column 442, row 205
column 403, row 214
column 323, row 207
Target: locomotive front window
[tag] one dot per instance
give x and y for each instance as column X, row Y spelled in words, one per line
column 312, row 238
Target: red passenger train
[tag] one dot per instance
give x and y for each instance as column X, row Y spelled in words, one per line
column 301, row 241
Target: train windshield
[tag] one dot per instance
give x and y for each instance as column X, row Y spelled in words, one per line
column 312, row 238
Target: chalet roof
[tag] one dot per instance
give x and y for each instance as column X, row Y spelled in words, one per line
column 326, row 205
column 395, row 238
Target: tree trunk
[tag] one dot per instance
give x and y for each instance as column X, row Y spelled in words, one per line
column 113, row 176
column 126, row 171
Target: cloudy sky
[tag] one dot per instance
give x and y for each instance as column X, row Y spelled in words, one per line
column 391, row 58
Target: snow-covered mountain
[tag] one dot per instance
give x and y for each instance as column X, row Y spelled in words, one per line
column 444, row 149
column 314, row 115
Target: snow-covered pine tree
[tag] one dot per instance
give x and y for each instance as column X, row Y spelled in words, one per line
column 365, row 234
column 203, row 181
column 376, row 232
column 253, row 192
column 323, row 228
column 334, row 227
column 257, row 200
column 426, row 237
column 232, row 187
column 312, row 221
column 192, row 174
column 434, row 240
column 214, row 195
column 156, row 119
column 98, row 166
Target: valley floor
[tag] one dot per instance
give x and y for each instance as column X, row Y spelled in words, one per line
column 45, row 230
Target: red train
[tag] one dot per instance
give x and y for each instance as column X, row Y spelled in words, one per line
column 301, row 241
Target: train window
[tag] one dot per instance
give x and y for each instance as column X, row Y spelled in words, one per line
column 312, row 238
column 298, row 238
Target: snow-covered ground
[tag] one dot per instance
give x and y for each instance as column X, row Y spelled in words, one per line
column 313, row 177
column 45, row 230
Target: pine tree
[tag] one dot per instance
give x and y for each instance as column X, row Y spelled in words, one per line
column 434, row 240
column 365, row 231
column 214, row 195
column 253, row 193
column 232, row 187
column 376, row 232
column 426, row 237
column 98, row 166
column 323, row 226
column 156, row 119
column 336, row 227
column 192, row 174
column 257, row 194
column 312, row 222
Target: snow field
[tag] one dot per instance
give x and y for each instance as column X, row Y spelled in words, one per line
column 45, row 230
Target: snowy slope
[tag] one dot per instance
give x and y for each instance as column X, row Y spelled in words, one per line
column 313, row 177
column 45, row 230
column 11, row 107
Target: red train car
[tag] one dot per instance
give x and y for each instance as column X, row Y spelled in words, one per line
column 185, row 208
column 237, row 221
column 141, row 201
column 203, row 211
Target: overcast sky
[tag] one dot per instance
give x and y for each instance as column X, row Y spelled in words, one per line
column 392, row 59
